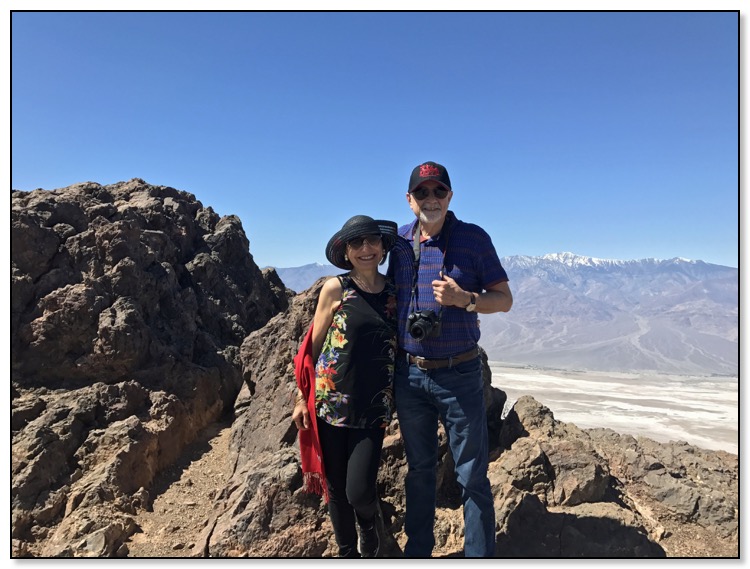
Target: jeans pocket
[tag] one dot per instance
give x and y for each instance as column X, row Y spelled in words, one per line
column 469, row 368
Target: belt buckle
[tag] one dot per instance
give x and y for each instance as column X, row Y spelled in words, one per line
column 417, row 363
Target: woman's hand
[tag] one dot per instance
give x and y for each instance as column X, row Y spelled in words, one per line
column 300, row 415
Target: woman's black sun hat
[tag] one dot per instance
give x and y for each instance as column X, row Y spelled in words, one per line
column 359, row 226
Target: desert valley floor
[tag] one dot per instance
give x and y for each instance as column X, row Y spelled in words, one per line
column 703, row 411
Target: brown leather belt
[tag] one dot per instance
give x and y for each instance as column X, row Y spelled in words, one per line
column 425, row 364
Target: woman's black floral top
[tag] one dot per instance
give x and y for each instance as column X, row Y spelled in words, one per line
column 354, row 373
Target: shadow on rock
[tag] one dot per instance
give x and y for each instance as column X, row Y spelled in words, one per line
column 533, row 531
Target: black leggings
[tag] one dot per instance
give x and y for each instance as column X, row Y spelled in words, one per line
column 351, row 458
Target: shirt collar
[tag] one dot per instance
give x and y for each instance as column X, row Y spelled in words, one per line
column 449, row 220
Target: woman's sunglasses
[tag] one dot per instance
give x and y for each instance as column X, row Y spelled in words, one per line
column 372, row 241
column 422, row 193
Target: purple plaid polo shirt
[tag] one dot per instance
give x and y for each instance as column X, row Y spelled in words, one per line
column 471, row 260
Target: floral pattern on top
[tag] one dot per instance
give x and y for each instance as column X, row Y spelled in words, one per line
column 354, row 372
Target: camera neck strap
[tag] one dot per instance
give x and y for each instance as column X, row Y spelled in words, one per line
column 417, row 246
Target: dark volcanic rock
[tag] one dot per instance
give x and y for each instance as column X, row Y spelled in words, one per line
column 129, row 303
column 125, row 280
column 264, row 513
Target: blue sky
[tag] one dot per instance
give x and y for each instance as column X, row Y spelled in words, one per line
column 606, row 134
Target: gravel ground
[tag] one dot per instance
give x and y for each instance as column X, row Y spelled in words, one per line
column 185, row 497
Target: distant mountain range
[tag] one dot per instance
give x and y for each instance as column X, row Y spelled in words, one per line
column 302, row 278
column 577, row 312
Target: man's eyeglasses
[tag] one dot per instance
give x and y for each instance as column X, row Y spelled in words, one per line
column 371, row 240
column 423, row 193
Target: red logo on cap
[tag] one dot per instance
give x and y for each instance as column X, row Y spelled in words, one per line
column 426, row 170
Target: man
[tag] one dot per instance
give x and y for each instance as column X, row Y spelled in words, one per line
column 454, row 272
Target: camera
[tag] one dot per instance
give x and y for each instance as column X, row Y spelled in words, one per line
column 423, row 324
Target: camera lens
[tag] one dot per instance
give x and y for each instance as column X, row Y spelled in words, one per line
column 423, row 324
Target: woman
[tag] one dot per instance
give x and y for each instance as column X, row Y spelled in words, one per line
column 353, row 344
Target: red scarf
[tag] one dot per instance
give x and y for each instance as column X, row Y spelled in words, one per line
column 313, row 473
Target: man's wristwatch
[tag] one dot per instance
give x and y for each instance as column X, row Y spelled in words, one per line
column 472, row 303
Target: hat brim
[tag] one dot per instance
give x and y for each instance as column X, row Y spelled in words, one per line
column 336, row 248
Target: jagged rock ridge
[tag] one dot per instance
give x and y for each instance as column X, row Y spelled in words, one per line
column 128, row 306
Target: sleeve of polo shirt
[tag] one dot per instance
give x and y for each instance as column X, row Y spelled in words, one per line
column 490, row 270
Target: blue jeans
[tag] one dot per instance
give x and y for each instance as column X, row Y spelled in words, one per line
column 455, row 396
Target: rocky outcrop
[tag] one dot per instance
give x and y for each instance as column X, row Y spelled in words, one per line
column 138, row 318
column 129, row 303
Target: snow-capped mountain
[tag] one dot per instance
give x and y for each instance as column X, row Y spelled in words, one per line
column 569, row 311
column 577, row 312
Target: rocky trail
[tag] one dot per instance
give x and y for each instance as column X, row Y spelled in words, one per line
column 184, row 497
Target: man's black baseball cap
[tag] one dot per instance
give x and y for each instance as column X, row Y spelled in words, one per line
column 429, row 171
